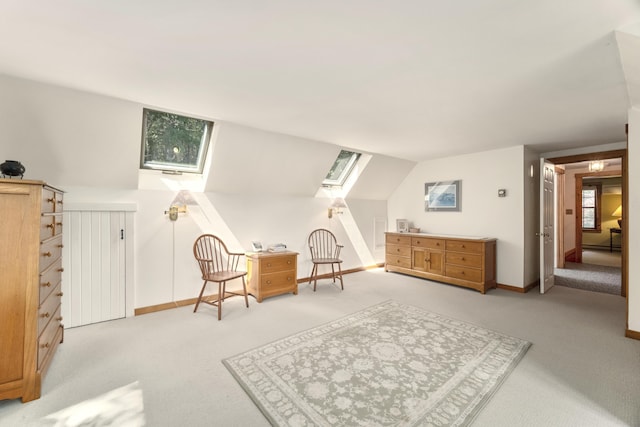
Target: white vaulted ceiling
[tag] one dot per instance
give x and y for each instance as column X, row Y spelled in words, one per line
column 409, row 79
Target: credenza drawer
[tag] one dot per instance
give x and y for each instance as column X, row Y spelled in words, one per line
column 398, row 240
column 398, row 250
column 470, row 274
column 399, row 261
column 426, row 242
column 464, row 246
column 464, row 259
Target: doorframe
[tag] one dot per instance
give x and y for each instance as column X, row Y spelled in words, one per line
column 604, row 155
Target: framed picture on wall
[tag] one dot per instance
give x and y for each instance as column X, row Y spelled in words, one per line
column 442, row 196
column 402, row 225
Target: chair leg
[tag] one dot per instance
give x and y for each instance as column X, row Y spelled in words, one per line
column 341, row 282
column 315, row 276
column 221, row 287
column 204, row 285
column 246, row 298
column 313, row 271
column 333, row 273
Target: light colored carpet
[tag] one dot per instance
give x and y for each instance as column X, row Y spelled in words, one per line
column 581, row 370
column 387, row 365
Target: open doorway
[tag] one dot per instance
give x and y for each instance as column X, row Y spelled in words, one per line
column 591, row 243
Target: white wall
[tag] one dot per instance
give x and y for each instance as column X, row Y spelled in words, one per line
column 261, row 185
column 483, row 213
column 633, row 228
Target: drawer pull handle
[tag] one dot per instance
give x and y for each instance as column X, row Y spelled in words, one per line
column 61, row 246
column 463, row 246
column 46, row 345
column 59, row 318
column 60, row 270
column 44, row 315
column 46, row 254
column 59, row 202
column 268, row 282
column 59, row 224
column 49, row 225
column 59, row 294
column 462, row 259
column 46, row 285
column 268, row 264
column 289, row 262
column 51, row 200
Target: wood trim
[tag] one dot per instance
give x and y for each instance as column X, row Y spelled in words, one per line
column 164, row 306
column 632, row 334
column 603, row 155
column 517, row 288
column 570, row 256
column 175, row 304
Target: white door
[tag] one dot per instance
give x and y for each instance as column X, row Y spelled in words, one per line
column 94, row 275
column 546, row 226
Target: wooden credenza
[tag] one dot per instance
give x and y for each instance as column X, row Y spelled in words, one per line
column 468, row 262
column 272, row 273
column 30, row 284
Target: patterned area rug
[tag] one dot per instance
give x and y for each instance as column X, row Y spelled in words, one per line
column 387, row 365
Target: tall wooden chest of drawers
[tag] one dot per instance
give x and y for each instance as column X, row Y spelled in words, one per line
column 30, row 284
column 272, row 273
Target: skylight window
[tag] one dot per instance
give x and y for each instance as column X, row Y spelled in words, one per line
column 341, row 169
column 174, row 143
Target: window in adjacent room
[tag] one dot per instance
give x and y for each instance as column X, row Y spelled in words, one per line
column 174, row 143
column 590, row 208
column 341, row 168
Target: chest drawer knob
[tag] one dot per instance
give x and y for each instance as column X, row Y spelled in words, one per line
column 46, row 285
column 45, row 345
column 44, row 315
column 59, row 294
column 46, row 254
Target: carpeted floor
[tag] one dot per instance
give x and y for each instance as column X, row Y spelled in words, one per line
column 590, row 277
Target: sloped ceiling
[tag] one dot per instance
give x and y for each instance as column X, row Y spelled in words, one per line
column 409, row 79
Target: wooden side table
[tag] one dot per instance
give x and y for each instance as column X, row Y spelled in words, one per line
column 613, row 231
column 272, row 273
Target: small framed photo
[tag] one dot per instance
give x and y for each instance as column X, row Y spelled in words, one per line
column 442, row 196
column 256, row 246
column 402, row 225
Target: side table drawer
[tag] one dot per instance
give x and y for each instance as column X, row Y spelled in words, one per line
column 275, row 264
column 278, row 281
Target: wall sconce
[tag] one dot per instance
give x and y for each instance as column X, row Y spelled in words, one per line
column 596, row 166
column 618, row 214
column 336, row 206
column 174, row 210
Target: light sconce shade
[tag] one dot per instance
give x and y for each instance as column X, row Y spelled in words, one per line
column 336, row 206
column 596, row 166
column 174, row 210
column 618, row 214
